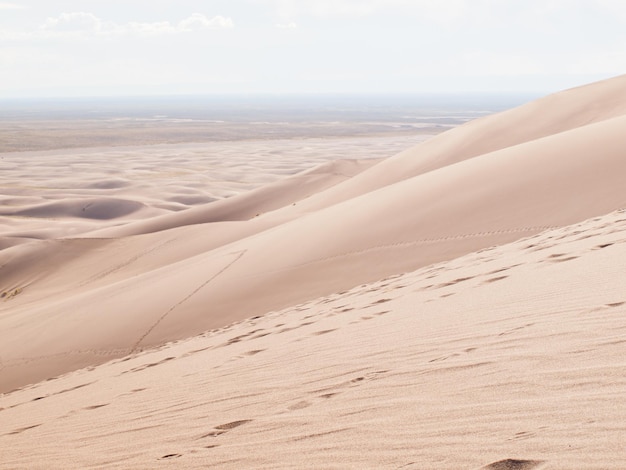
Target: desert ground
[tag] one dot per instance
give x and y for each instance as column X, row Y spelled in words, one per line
column 395, row 301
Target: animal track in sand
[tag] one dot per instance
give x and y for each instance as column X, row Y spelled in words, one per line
column 117, row 267
column 237, row 257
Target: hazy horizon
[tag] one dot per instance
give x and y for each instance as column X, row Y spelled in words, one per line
column 191, row 47
column 73, row 122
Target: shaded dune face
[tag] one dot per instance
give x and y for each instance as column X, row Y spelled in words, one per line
column 98, row 209
column 79, row 302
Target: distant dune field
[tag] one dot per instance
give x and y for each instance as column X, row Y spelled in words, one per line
column 458, row 304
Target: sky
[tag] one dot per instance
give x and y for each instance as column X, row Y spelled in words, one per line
column 52, row 48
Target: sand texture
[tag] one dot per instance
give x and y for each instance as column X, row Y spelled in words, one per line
column 512, row 354
column 460, row 304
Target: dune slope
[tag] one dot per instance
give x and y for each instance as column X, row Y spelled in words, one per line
column 510, row 357
column 75, row 302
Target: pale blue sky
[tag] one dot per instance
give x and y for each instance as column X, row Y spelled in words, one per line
column 127, row 47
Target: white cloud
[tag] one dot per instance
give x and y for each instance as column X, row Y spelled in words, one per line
column 11, row 6
column 73, row 22
column 140, row 29
column 198, row 21
column 82, row 24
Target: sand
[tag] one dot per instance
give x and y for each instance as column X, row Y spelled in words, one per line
column 458, row 305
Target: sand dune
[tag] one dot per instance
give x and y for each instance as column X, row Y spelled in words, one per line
column 318, row 232
column 507, row 358
column 101, row 209
column 474, row 351
column 164, row 178
column 250, row 204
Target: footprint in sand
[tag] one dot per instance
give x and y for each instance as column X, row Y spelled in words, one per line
column 558, row 258
column 522, row 435
column 253, row 352
column 514, row 464
column 95, row 407
column 299, row 406
column 605, row 245
column 495, row 279
column 455, row 281
column 170, row 456
column 323, row 332
column 21, row 430
column 147, row 366
column 233, row 424
column 224, row 428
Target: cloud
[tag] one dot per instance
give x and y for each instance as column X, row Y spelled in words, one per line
column 197, row 21
column 73, row 22
column 11, row 6
column 82, row 24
